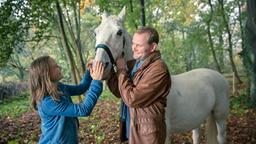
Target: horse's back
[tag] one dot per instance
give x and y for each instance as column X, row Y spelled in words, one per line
column 193, row 96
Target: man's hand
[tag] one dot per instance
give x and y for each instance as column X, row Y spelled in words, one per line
column 97, row 71
column 120, row 63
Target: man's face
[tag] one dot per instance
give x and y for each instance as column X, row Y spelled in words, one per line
column 140, row 47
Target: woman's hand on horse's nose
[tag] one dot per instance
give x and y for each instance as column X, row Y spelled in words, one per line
column 97, row 71
column 120, row 63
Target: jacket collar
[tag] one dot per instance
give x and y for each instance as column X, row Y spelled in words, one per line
column 151, row 58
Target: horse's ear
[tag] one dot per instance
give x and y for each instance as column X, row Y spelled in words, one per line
column 122, row 14
column 104, row 16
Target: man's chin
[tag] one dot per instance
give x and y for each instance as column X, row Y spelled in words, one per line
column 136, row 57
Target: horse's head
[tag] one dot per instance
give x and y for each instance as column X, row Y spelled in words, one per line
column 112, row 41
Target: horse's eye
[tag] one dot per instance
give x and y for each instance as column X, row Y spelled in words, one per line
column 119, row 32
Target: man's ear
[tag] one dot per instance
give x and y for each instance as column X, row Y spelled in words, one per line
column 153, row 47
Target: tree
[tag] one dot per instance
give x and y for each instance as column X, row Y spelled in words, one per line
column 230, row 44
column 210, row 36
column 250, row 46
column 13, row 29
column 143, row 17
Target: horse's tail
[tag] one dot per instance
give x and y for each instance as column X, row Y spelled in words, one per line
column 211, row 130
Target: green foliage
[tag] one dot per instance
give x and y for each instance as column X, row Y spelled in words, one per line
column 15, row 106
column 40, row 18
column 18, row 17
column 181, row 25
column 12, row 28
column 20, row 104
column 240, row 103
column 132, row 17
column 107, row 95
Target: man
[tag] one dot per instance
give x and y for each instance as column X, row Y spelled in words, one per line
column 144, row 89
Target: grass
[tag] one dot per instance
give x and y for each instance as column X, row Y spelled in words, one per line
column 241, row 102
column 18, row 105
column 15, row 106
column 105, row 95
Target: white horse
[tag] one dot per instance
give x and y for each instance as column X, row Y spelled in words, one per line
column 195, row 95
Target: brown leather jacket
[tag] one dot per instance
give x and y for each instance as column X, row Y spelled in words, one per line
column 145, row 96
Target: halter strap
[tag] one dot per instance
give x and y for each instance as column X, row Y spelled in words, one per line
column 106, row 48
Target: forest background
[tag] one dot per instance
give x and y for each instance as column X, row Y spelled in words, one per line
column 216, row 34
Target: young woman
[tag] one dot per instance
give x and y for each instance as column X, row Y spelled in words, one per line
column 59, row 123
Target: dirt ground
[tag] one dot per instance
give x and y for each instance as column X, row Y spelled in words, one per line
column 102, row 127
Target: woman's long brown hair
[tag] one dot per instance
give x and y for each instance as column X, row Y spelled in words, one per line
column 39, row 81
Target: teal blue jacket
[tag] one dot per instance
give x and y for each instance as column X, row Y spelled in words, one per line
column 59, row 124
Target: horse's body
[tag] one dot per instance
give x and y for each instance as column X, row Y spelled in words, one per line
column 195, row 95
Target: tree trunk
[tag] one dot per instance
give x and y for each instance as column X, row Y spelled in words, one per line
column 78, row 40
column 131, row 6
column 16, row 64
column 250, row 45
column 187, row 57
column 220, row 54
column 210, row 38
column 229, row 42
column 75, row 46
column 143, row 18
column 246, row 52
column 65, row 42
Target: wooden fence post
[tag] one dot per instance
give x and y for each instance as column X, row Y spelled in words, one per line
column 234, row 84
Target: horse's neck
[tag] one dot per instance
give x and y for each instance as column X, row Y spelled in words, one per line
column 128, row 54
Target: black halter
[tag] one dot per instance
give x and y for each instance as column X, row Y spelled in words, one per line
column 106, row 48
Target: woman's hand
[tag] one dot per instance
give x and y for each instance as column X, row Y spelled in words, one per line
column 97, row 71
column 89, row 63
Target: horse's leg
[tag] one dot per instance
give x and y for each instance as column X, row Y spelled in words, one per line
column 211, row 130
column 167, row 139
column 216, row 121
column 196, row 135
column 221, row 128
column 220, row 115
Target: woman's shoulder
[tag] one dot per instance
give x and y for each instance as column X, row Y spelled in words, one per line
column 46, row 99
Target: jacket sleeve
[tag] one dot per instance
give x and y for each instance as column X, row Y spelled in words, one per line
column 113, row 84
column 81, row 88
column 67, row 108
column 153, row 85
column 113, row 81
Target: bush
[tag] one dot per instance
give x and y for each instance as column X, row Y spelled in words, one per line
column 9, row 89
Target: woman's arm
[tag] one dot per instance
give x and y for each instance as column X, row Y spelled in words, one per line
column 81, row 88
column 66, row 108
column 95, row 72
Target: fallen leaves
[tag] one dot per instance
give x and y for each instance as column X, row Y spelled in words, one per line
column 102, row 127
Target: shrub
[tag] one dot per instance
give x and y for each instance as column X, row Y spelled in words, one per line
column 10, row 89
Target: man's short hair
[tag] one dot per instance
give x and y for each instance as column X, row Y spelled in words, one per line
column 153, row 38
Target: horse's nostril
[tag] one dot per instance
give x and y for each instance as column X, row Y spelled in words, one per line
column 106, row 64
